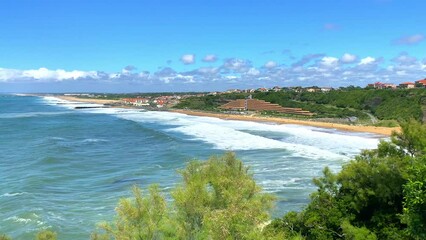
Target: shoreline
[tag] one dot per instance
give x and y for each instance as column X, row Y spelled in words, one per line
column 86, row 100
column 386, row 131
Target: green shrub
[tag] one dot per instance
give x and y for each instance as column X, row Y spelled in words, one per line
column 5, row 237
column 387, row 123
column 46, row 235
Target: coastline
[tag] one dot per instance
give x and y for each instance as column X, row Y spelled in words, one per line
column 86, row 100
column 386, row 131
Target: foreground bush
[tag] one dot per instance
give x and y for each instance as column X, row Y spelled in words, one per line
column 46, row 235
column 4, row 237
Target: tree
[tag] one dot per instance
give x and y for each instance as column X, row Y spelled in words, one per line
column 412, row 138
column 414, row 214
column 219, row 198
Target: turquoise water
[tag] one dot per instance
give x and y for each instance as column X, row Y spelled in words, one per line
column 66, row 169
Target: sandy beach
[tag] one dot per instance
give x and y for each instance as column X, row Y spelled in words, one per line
column 352, row 128
column 87, row 100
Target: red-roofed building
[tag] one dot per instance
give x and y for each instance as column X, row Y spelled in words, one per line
column 136, row 101
column 262, row 89
column 407, row 85
column 421, row 83
column 379, row 85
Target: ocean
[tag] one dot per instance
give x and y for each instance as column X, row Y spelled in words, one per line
column 65, row 169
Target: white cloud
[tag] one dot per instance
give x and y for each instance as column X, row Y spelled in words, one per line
column 401, row 73
column 128, row 69
column 405, row 59
column 208, row 70
column 329, row 61
column 367, row 60
column 144, row 74
column 114, row 75
column 210, row 58
column 270, row 64
column 188, row 59
column 44, row 74
column 314, row 69
column 348, row 58
column 236, row 65
column 253, row 72
column 410, row 40
column 9, row 74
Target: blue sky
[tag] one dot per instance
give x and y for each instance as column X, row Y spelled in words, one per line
column 128, row 46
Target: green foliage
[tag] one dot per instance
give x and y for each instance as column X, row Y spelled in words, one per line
column 218, row 199
column 100, row 236
column 5, row 237
column 208, row 102
column 46, row 235
column 385, row 104
column 412, row 138
column 354, row 233
column 414, row 214
column 139, row 218
column 387, row 123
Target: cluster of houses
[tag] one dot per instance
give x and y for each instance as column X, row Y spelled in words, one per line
column 158, row 102
column 377, row 85
column 415, row 84
column 276, row 89
column 171, row 100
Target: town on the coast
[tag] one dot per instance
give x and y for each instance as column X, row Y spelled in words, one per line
column 377, row 104
column 167, row 100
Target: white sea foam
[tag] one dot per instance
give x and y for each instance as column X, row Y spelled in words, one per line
column 226, row 138
column 57, row 138
column 50, row 100
column 278, row 185
column 18, row 219
column 336, row 141
column 29, row 114
column 222, row 134
column 30, row 218
column 13, row 194
column 93, row 140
